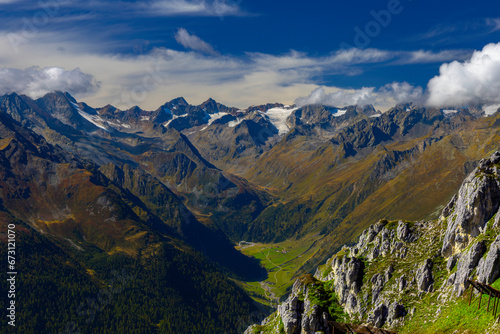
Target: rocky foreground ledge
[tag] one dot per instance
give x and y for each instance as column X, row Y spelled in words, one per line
column 405, row 276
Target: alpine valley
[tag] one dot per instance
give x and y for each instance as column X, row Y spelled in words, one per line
column 272, row 219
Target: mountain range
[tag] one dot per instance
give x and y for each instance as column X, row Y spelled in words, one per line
column 164, row 196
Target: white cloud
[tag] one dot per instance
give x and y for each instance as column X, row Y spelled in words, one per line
column 193, row 8
column 475, row 81
column 423, row 56
column 35, row 81
column 383, row 98
column 150, row 79
column 493, row 23
column 193, row 42
column 343, row 61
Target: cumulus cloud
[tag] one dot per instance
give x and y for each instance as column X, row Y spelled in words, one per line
column 193, row 42
column 35, row 81
column 383, row 97
column 475, row 81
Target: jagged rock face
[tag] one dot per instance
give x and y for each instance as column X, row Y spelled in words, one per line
column 488, row 269
column 290, row 312
column 348, row 273
column 396, row 311
column 466, row 265
column 477, row 201
column 424, row 276
column 378, row 283
column 361, row 134
column 452, row 261
column 379, row 316
column 314, row 320
column 379, row 240
column 300, row 315
column 386, row 241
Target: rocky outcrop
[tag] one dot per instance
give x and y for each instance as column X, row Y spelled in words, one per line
column 315, row 319
column 291, row 310
column 367, row 297
column 466, row 264
column 467, row 216
column 477, row 201
column 424, row 276
column 488, row 269
column 379, row 315
column 348, row 273
column 396, row 311
column 377, row 240
column 291, row 313
column 300, row 313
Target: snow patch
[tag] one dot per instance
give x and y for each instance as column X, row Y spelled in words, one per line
column 233, row 124
column 213, row 117
column 338, row 112
column 376, row 115
column 278, row 116
column 94, row 119
column 449, row 111
column 173, row 117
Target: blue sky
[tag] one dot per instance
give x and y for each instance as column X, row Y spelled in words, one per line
column 245, row 52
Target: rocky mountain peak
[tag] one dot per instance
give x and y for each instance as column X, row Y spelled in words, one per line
column 107, row 110
column 64, row 108
column 265, row 107
column 179, row 101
